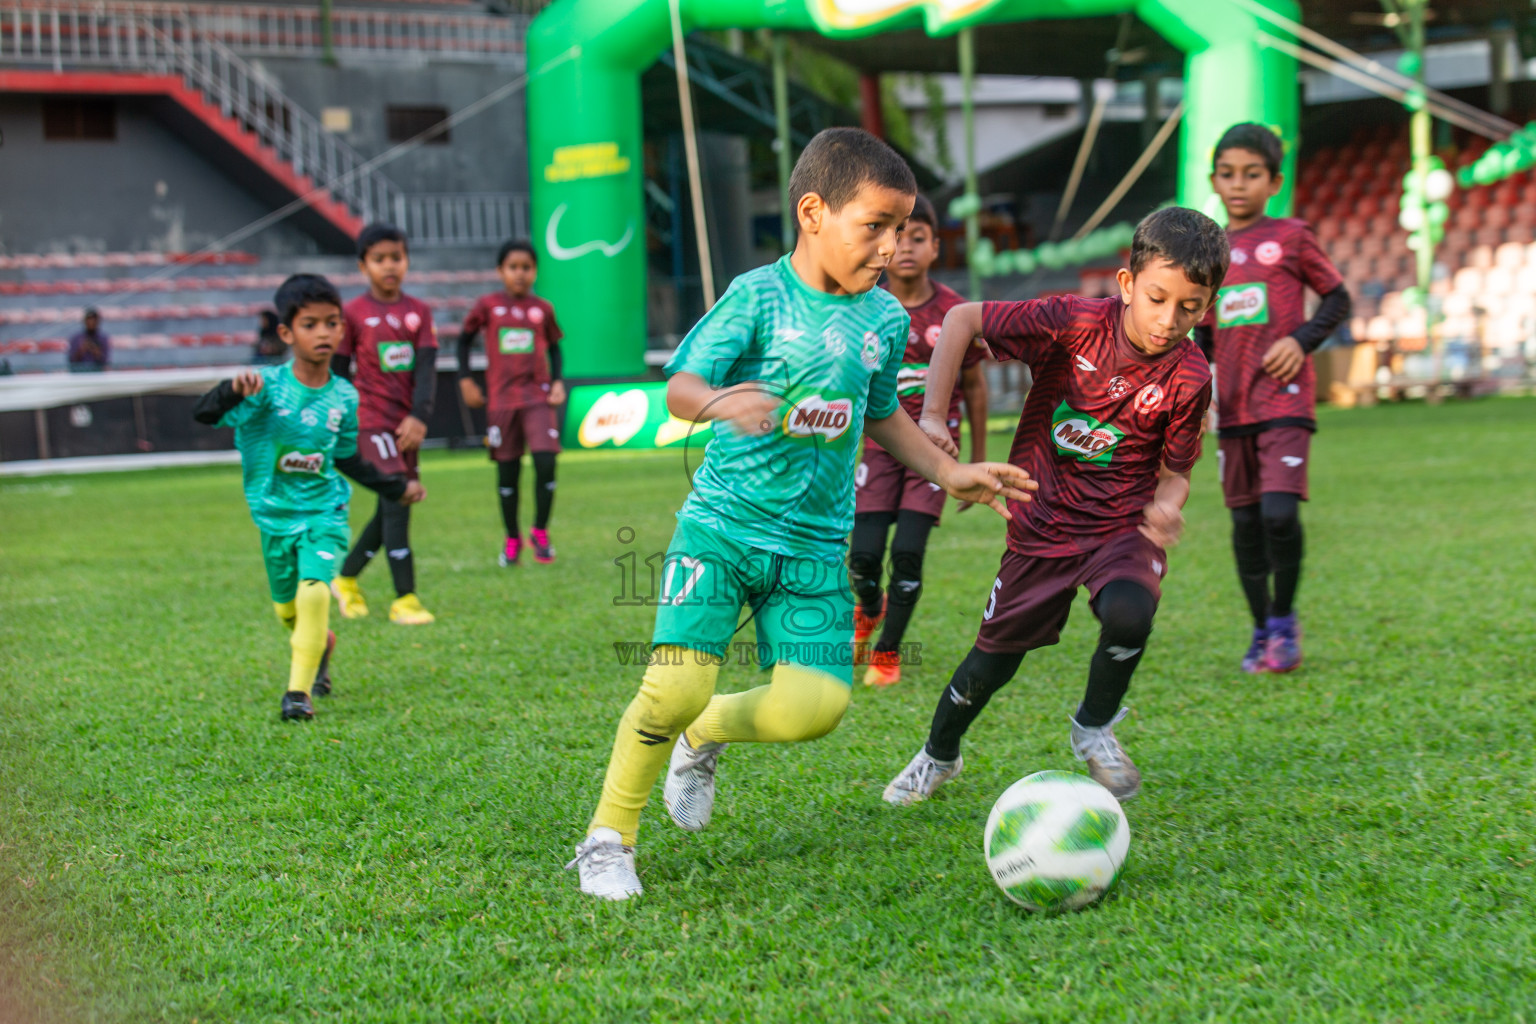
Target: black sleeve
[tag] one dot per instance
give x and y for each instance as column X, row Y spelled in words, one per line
column 341, row 366
column 1332, row 311
column 1205, row 337
column 212, row 406
column 556, row 364
column 367, row 474
column 425, row 394
column 466, row 343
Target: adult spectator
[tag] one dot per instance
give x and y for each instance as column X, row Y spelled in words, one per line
column 269, row 347
column 90, row 349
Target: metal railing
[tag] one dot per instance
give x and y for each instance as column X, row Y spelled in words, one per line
column 462, row 219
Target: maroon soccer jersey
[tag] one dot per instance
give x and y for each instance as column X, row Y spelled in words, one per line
column 912, row 378
column 1100, row 421
column 384, row 341
column 518, row 336
column 1274, row 261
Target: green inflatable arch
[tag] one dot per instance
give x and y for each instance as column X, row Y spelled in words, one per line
column 584, row 128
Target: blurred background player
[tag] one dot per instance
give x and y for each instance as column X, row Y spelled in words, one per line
column 390, row 354
column 794, row 363
column 887, row 492
column 1110, row 430
column 296, row 427
column 522, row 374
column 1259, row 338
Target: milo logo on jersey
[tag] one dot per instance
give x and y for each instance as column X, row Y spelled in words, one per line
column 911, row 379
column 291, row 460
column 515, row 341
column 397, row 356
column 1240, row 305
column 1079, row 436
column 828, row 417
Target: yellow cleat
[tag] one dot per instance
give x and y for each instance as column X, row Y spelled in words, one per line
column 350, row 597
column 884, row 669
column 407, row 611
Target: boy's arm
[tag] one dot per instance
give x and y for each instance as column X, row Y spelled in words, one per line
column 1332, row 311
column 225, row 396
column 708, row 356
column 751, row 407
column 1284, row 359
column 973, row 388
column 553, row 336
column 1164, row 523
column 386, row 485
column 413, row 429
column 469, row 391
column 982, row 483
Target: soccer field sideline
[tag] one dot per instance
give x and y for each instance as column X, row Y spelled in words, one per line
column 1354, row 842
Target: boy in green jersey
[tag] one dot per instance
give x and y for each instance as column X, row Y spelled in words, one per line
column 795, row 364
column 295, row 427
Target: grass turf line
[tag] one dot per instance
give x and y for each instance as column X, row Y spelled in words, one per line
column 1351, row 842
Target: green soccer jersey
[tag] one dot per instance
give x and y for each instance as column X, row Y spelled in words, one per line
column 832, row 360
column 289, row 436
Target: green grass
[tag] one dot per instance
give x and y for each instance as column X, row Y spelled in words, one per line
column 1354, row 842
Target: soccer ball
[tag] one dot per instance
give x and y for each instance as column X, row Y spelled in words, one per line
column 1056, row 841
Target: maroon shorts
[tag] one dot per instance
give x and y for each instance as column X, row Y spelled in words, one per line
column 1265, row 463
column 510, row 432
column 882, row 484
column 379, row 447
column 1032, row 597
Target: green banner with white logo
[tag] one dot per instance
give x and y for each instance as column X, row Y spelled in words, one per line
column 624, row 416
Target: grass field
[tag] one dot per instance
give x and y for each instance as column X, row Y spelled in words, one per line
column 1354, row 842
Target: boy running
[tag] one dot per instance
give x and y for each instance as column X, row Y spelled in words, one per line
column 1111, row 430
column 522, row 373
column 887, row 492
column 1267, row 388
column 390, row 353
column 794, row 363
column 295, row 427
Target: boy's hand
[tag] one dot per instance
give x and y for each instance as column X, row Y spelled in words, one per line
column 938, row 432
column 557, row 393
column 414, row 492
column 1164, row 524
column 751, row 409
column 410, row 433
column 1284, row 359
column 470, row 394
column 987, row 483
column 247, row 383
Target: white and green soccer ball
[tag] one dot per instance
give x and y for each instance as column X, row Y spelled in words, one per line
column 1056, row 841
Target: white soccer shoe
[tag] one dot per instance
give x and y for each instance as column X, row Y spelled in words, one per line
column 1108, row 763
column 606, row 866
column 690, row 789
column 920, row 778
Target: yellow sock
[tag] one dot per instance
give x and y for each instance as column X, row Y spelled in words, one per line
column 799, row 704
column 286, row 614
column 312, row 610
column 675, row 689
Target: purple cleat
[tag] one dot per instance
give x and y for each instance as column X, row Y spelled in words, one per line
column 1283, row 651
column 1253, row 661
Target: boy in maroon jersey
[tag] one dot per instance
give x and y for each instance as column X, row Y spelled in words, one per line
column 1260, row 339
column 522, row 373
column 390, row 355
column 1111, row 430
column 887, row 492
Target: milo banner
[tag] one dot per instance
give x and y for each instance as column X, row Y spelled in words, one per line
column 622, row 416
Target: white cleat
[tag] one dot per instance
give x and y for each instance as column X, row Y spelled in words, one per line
column 690, row 789
column 606, row 866
column 920, row 778
column 1108, row 763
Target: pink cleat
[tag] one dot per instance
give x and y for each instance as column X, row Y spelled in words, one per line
column 1283, row 652
column 509, row 555
column 543, row 552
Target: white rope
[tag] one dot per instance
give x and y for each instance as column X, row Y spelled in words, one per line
column 1132, row 175
column 691, row 151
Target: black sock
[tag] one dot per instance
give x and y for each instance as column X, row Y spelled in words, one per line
column 907, row 549
column 544, row 488
column 366, row 545
column 1125, row 610
column 979, row 676
column 866, row 550
column 1282, row 529
column 1252, row 560
column 397, row 545
column 506, row 486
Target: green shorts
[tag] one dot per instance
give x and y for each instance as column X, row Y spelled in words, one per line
column 311, row 555
column 801, row 607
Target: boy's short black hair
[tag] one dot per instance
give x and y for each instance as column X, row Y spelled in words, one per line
column 1186, row 238
column 1255, row 138
column 840, row 161
column 302, row 290
column 923, row 212
column 516, row 245
column 373, row 234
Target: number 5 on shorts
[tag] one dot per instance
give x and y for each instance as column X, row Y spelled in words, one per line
column 997, row 585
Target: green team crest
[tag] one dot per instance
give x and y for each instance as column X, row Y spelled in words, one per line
column 397, row 356
column 515, row 341
column 1240, row 305
column 1079, row 436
